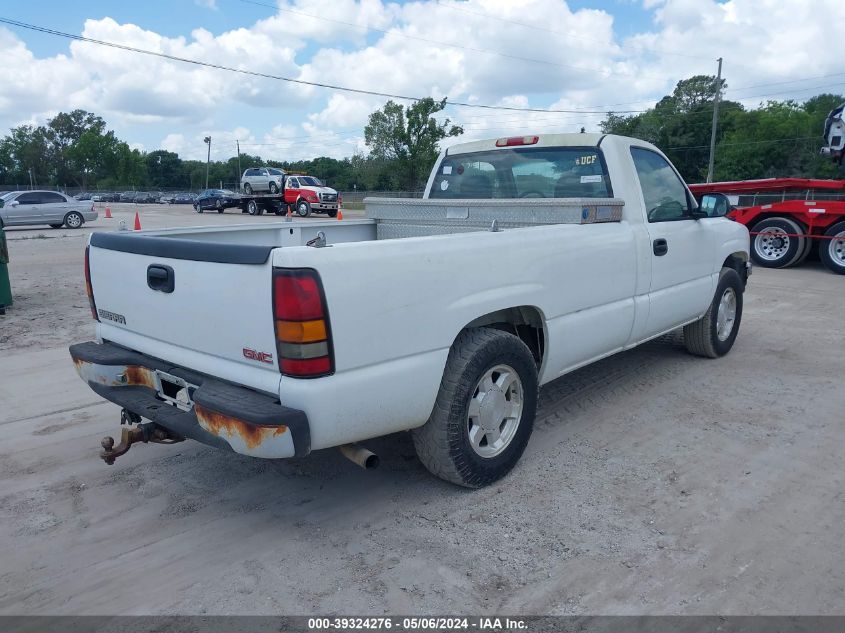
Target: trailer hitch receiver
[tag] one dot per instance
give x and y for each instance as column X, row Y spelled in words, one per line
column 129, row 435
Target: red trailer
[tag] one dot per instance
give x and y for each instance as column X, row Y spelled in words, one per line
column 787, row 218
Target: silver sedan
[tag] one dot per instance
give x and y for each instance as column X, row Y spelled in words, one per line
column 19, row 208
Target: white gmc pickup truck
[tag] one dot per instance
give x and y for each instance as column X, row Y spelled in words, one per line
column 527, row 258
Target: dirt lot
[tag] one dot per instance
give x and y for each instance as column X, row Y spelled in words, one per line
column 655, row 482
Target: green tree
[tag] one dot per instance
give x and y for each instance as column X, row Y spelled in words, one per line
column 408, row 138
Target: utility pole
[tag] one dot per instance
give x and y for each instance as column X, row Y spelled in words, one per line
column 31, row 186
column 715, row 122
column 207, row 140
column 238, row 175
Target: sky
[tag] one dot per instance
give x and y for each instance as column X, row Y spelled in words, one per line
column 582, row 56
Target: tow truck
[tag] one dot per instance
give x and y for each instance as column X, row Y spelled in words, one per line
column 301, row 194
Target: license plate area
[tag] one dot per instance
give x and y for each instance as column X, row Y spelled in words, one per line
column 174, row 390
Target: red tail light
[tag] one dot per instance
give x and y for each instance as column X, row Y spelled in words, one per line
column 517, row 140
column 303, row 337
column 89, row 290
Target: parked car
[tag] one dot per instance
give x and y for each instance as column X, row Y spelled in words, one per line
column 105, row 196
column 167, row 198
column 20, row 208
column 82, row 196
column 256, row 179
column 127, row 196
column 219, row 199
column 145, row 197
column 395, row 323
column 185, row 198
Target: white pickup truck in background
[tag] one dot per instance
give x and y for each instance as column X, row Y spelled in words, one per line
column 528, row 258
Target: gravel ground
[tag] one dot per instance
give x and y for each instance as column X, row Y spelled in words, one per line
column 655, row 483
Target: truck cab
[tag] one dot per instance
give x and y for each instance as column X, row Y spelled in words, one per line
column 307, row 194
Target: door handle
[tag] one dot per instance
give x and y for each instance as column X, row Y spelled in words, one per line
column 161, row 278
column 660, row 247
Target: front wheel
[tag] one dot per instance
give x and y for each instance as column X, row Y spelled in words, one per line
column 274, row 188
column 332, row 214
column 248, row 189
column 303, row 209
column 252, row 207
column 219, row 206
column 484, row 412
column 713, row 335
column 832, row 250
column 74, row 220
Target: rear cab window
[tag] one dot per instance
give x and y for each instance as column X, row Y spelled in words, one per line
column 524, row 172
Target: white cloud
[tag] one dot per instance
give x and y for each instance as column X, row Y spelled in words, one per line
column 206, row 4
column 584, row 64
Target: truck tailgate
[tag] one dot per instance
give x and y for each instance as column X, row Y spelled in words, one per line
column 203, row 306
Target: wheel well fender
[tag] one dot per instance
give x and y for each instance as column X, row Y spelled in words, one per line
column 526, row 322
column 738, row 261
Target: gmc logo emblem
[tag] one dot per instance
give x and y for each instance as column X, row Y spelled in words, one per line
column 262, row 357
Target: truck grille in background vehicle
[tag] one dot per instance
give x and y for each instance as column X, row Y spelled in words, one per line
column 328, row 197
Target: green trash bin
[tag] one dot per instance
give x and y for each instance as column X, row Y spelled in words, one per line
column 5, row 286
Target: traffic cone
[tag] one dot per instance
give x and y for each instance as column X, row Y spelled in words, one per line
column 339, row 212
column 108, row 213
column 137, row 222
column 288, row 217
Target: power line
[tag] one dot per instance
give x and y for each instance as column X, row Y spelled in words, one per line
column 252, row 73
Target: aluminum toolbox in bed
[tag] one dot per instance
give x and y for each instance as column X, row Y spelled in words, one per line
column 408, row 217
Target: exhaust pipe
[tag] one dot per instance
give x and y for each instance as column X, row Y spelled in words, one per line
column 359, row 455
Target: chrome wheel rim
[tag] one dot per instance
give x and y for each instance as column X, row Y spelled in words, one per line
column 253, row 207
column 772, row 244
column 74, row 221
column 726, row 314
column 836, row 248
column 495, row 411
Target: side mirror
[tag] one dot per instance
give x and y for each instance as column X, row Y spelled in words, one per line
column 14, row 203
column 713, row 205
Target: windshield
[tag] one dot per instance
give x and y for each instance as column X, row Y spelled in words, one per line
column 523, row 172
column 310, row 181
column 275, row 172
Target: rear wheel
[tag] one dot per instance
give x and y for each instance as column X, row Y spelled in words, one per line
column 274, row 188
column 713, row 335
column 484, row 412
column 198, row 208
column 74, row 220
column 832, row 251
column 219, row 206
column 776, row 243
column 252, row 207
column 303, row 208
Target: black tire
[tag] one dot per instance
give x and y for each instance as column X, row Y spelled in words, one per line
column 74, row 220
column 772, row 251
column 248, row 189
column 702, row 337
column 198, row 208
column 832, row 252
column 303, row 208
column 332, row 214
column 219, row 206
column 274, row 188
column 443, row 442
column 56, row 226
column 252, row 207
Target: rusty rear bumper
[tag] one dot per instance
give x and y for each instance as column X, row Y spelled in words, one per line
column 223, row 414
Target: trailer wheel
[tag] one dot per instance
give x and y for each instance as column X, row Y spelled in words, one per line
column 775, row 245
column 484, row 412
column 832, row 251
column 713, row 335
column 303, row 208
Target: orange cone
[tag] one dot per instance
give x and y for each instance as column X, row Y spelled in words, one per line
column 339, row 212
column 108, row 213
column 137, row 222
